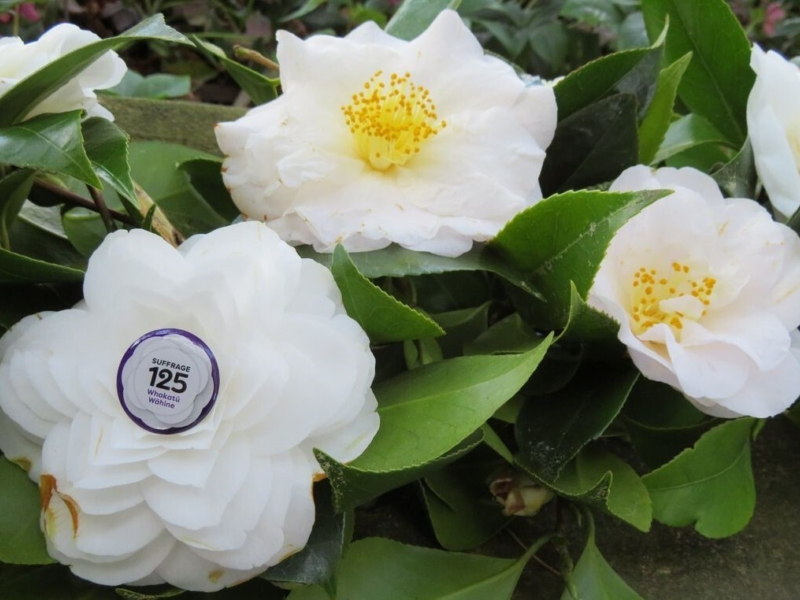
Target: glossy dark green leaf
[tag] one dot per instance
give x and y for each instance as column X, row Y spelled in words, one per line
column 510, row 335
column 316, row 563
column 158, row 85
column 21, row 540
column 85, row 229
column 661, row 423
column 154, row 166
column 258, row 87
column 710, row 485
column 127, row 594
column 602, row 480
column 107, row 148
column 688, row 132
column 14, row 190
column 383, row 317
column 377, row 568
column 718, row 80
column 395, row 261
column 563, row 239
column 37, row 234
column 414, row 16
column 18, row 268
column 426, row 412
column 595, row 331
column 353, row 486
column 552, row 429
column 594, row 578
column 48, row 142
column 460, row 506
column 659, row 115
column 205, row 175
column 738, row 177
column 632, row 72
column 461, row 327
column 18, row 101
column 592, row 145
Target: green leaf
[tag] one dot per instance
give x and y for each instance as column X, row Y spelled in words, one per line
column 661, row 423
column 686, row 133
column 395, row 261
column 461, row 508
column 17, row 268
column 258, row 87
column 154, row 167
column 385, row 569
column 718, row 80
column 511, row 335
column 563, row 239
column 159, row 85
column 461, row 327
column 21, row 540
column 85, row 229
column 316, row 563
column 353, row 486
column 14, row 190
column 426, row 412
column 29, row 92
column 552, row 429
column 593, row 578
column 593, row 329
column 738, row 177
column 604, row 481
column 632, row 72
column 659, row 115
column 53, row 582
column 414, row 16
column 710, row 485
column 592, row 145
column 132, row 595
column 205, row 175
column 48, row 142
column 107, row 148
column 384, row 318
column 37, row 234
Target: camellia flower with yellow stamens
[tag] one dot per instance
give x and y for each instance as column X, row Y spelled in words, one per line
column 430, row 144
column 707, row 294
column 773, row 124
column 170, row 417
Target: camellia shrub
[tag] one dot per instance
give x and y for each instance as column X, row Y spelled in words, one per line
column 410, row 275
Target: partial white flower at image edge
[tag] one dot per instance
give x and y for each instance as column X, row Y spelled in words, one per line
column 773, row 124
column 137, row 490
column 19, row 60
column 430, row 144
column 707, row 294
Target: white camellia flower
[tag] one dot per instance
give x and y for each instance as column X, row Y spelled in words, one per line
column 430, row 143
column 707, row 294
column 773, row 123
column 169, row 418
column 21, row 60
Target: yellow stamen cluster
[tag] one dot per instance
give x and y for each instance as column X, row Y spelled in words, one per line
column 390, row 119
column 650, row 289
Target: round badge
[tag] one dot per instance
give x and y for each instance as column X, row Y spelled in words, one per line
column 167, row 381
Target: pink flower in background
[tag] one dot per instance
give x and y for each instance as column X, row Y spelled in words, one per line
column 773, row 15
column 27, row 12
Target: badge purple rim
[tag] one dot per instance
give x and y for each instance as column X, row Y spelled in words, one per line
column 214, row 377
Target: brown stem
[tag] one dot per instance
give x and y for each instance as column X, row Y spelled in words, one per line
column 102, row 208
column 76, row 200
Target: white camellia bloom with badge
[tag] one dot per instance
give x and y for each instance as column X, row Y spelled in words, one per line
column 430, row 144
column 707, row 294
column 21, row 60
column 170, row 417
